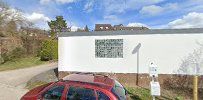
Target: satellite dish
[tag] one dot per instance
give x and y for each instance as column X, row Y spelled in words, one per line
column 135, row 50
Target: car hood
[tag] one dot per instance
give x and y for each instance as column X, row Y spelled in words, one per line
column 34, row 92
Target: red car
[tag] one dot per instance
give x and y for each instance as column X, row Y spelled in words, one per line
column 79, row 86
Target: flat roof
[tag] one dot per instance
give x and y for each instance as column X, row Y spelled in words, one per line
column 133, row 32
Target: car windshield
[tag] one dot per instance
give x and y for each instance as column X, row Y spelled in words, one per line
column 119, row 91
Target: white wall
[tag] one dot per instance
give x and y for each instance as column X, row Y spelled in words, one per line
column 167, row 50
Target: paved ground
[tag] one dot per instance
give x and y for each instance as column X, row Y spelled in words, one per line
column 12, row 82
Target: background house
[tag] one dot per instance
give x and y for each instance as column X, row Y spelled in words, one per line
column 108, row 27
column 103, row 27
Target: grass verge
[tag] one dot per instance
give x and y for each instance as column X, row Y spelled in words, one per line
column 32, row 85
column 21, row 63
column 138, row 93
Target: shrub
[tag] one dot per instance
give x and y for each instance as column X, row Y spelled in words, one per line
column 32, row 44
column 179, row 98
column 16, row 53
column 49, row 50
column 4, row 58
column 55, row 49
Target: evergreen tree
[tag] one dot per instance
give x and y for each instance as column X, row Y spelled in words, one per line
column 57, row 25
column 86, row 29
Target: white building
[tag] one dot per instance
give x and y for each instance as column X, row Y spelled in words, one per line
column 111, row 51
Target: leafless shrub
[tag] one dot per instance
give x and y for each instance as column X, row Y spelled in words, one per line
column 192, row 64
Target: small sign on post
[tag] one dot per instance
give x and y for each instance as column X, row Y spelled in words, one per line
column 153, row 70
column 154, row 84
column 155, row 88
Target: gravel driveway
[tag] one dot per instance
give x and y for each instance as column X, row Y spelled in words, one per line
column 12, row 83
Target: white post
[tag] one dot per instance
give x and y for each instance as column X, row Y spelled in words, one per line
column 153, row 98
column 154, row 84
column 153, row 80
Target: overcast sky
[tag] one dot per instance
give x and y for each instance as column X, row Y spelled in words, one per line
column 150, row 13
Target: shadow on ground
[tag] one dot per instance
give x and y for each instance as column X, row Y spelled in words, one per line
column 43, row 78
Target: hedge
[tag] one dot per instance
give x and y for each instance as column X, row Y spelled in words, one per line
column 49, row 50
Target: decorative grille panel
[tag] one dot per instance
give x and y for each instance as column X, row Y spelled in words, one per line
column 109, row 48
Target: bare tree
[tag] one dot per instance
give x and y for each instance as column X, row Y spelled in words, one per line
column 11, row 20
column 193, row 63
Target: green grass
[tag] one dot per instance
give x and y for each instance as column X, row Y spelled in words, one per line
column 138, row 93
column 21, row 63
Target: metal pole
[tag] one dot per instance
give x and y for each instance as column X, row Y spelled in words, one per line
column 195, row 83
column 137, row 80
column 195, row 87
column 136, row 50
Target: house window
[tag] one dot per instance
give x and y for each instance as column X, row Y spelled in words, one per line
column 109, row 48
column 101, row 28
column 107, row 27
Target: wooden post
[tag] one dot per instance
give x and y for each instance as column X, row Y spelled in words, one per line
column 195, row 87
